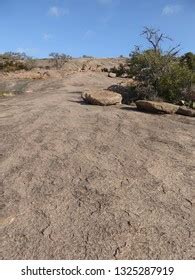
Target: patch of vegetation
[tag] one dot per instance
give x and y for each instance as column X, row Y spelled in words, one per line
column 159, row 74
column 189, row 60
column 120, row 70
column 105, row 69
column 60, row 59
column 174, row 85
column 14, row 61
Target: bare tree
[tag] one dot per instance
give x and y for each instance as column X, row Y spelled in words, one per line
column 155, row 38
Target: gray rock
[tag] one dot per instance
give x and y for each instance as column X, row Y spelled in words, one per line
column 156, row 107
column 186, row 111
column 102, row 97
column 112, row 75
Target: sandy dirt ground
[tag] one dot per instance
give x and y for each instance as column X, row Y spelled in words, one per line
column 90, row 182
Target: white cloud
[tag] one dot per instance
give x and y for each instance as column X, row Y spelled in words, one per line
column 47, row 36
column 171, row 10
column 57, row 11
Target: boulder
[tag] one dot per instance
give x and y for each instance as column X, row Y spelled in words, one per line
column 156, row 107
column 186, row 111
column 102, row 97
column 112, row 75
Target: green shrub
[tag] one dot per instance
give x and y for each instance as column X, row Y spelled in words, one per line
column 189, row 60
column 10, row 61
column 120, row 70
column 174, row 85
column 9, row 65
column 105, row 69
column 161, row 74
column 193, row 78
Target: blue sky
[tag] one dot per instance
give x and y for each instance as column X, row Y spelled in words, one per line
column 102, row 28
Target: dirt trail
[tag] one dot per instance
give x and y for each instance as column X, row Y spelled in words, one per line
column 88, row 182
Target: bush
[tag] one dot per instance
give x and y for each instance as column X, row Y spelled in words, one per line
column 9, row 65
column 105, row 70
column 60, row 59
column 189, row 60
column 10, row 61
column 119, row 71
column 193, row 78
column 159, row 74
column 175, row 84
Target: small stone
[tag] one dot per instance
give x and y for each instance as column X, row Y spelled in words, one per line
column 112, row 75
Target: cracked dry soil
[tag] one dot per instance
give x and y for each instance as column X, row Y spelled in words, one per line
column 89, row 182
